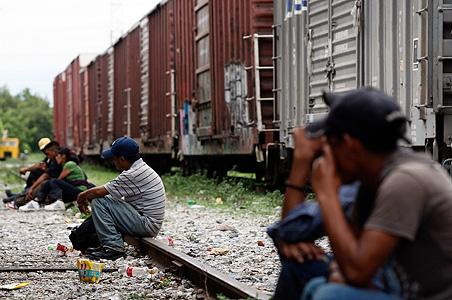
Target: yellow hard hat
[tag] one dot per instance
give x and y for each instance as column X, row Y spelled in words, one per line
column 43, row 143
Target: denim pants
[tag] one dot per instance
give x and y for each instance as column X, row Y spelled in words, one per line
column 56, row 189
column 115, row 218
column 319, row 289
column 296, row 279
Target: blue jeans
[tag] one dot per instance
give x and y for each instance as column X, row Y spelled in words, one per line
column 56, row 189
column 319, row 289
column 294, row 276
column 115, row 218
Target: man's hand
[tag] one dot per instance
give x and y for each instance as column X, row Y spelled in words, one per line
column 306, row 148
column 302, row 251
column 325, row 180
column 30, row 194
column 82, row 202
column 335, row 274
column 22, row 171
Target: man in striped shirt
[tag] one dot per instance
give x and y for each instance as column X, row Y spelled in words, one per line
column 131, row 204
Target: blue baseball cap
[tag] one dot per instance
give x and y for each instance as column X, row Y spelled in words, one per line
column 124, row 146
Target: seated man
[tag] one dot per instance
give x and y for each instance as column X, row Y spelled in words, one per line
column 35, row 171
column 131, row 204
column 50, row 169
column 403, row 211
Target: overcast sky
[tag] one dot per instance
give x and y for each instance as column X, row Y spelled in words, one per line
column 38, row 39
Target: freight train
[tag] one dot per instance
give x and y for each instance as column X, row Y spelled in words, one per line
column 221, row 84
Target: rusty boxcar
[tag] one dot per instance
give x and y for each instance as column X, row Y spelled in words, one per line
column 192, row 80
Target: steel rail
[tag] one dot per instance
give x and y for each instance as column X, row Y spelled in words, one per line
column 202, row 275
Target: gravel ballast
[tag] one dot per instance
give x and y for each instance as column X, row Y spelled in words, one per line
column 233, row 243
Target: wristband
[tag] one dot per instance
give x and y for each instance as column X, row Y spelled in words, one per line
column 300, row 188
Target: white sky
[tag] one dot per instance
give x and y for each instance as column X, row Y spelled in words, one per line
column 38, row 39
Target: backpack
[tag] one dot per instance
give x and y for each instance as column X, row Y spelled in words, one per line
column 84, row 236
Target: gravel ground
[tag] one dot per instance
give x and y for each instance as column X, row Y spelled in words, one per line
column 24, row 241
column 235, row 244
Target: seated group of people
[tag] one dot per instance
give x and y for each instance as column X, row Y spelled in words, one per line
column 131, row 204
column 51, row 183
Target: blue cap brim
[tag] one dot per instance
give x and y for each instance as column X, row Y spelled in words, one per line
column 107, row 154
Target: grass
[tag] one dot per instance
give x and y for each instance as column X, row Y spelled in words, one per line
column 97, row 174
column 233, row 193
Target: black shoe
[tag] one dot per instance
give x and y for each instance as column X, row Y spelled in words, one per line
column 9, row 199
column 9, row 193
column 106, row 253
column 92, row 250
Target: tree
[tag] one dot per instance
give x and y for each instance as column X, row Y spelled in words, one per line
column 26, row 116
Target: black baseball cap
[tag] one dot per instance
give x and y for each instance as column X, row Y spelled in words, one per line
column 367, row 114
column 124, row 146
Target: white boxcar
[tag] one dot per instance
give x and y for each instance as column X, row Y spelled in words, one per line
column 403, row 47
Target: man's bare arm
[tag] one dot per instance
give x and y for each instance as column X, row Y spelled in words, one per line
column 359, row 256
column 304, row 153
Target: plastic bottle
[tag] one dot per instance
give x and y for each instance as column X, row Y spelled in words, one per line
column 138, row 272
column 61, row 249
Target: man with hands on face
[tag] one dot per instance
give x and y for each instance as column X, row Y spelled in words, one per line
column 131, row 204
column 402, row 213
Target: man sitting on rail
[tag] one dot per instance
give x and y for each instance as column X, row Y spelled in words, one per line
column 131, row 204
column 403, row 212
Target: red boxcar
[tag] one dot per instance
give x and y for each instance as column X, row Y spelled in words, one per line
column 233, row 109
column 69, row 97
column 59, row 108
column 194, row 78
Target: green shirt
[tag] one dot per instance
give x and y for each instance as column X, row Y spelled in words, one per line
column 75, row 173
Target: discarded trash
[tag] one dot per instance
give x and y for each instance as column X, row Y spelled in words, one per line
column 13, row 286
column 219, row 201
column 191, row 202
column 60, row 248
column 260, row 243
column 153, row 270
column 138, row 272
column 196, row 206
column 89, row 271
column 218, row 251
column 170, row 241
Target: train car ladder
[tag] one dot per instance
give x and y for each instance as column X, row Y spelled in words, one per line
column 257, row 80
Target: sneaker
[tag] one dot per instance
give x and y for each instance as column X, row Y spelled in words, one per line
column 106, row 253
column 57, row 205
column 30, row 206
column 10, row 205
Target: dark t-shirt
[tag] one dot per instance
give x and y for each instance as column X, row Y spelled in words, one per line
column 414, row 202
column 53, row 168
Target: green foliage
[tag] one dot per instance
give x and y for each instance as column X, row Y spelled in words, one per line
column 97, row 174
column 25, row 116
column 234, row 193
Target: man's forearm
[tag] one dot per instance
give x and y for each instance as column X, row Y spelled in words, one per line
column 40, row 180
column 299, row 175
column 96, row 192
column 344, row 243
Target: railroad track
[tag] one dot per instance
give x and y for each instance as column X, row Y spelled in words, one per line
column 200, row 274
column 182, row 265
